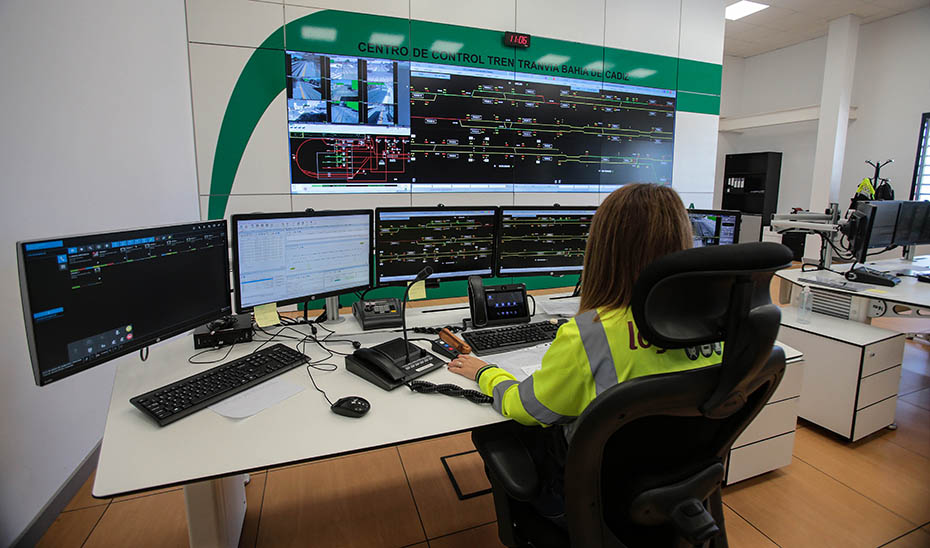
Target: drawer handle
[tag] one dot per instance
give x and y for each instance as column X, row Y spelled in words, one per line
column 871, row 354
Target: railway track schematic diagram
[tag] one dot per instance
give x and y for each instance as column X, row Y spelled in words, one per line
column 357, row 123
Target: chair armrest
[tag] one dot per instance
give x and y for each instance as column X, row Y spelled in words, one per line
column 510, row 465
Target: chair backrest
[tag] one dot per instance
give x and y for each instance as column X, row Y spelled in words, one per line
column 645, row 442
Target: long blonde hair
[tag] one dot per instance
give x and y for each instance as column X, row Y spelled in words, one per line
column 634, row 226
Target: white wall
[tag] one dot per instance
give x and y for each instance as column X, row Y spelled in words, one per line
column 96, row 135
column 891, row 90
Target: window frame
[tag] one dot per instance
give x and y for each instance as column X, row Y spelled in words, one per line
column 920, row 180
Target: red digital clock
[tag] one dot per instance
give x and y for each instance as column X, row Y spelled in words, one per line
column 516, row 40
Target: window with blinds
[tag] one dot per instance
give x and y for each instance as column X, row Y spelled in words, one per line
column 920, row 190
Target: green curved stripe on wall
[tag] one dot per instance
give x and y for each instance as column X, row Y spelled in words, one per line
column 262, row 79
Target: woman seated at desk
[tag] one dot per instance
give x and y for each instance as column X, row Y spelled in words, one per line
column 601, row 345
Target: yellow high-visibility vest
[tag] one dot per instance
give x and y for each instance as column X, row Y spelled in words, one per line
column 587, row 357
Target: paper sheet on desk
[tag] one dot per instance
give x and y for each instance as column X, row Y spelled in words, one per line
column 560, row 307
column 248, row 403
column 521, row 363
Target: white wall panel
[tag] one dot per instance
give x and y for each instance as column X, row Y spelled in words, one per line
column 701, row 200
column 393, row 8
column 232, row 22
column 265, row 164
column 649, row 26
column 577, row 21
column 550, row 198
column 695, row 152
column 462, row 198
column 349, row 201
column 702, row 29
column 296, row 12
column 251, row 203
column 482, row 14
column 114, row 77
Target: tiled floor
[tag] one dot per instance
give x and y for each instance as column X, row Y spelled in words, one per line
column 872, row 493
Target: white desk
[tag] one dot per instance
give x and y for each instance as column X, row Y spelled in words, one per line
column 853, row 369
column 907, row 299
column 208, row 453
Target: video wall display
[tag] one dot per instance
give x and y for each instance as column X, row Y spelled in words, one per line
column 361, row 124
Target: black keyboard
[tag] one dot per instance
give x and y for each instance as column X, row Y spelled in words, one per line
column 512, row 337
column 187, row 396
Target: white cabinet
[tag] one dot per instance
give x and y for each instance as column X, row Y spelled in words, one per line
column 768, row 441
column 852, row 375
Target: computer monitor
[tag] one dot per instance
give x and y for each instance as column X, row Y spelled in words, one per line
column 714, row 227
column 88, row 299
column 457, row 242
column 872, row 226
column 287, row 258
column 542, row 240
column 913, row 224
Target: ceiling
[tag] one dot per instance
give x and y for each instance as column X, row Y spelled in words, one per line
column 788, row 22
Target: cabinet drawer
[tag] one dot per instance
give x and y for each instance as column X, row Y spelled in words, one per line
column 791, row 383
column 759, row 458
column 882, row 355
column 775, row 418
column 878, row 386
column 874, row 418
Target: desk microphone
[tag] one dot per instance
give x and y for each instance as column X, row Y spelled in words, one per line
column 421, row 275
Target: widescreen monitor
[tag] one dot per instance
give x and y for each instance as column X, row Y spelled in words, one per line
column 287, row 258
column 913, row 224
column 457, row 242
column 714, row 227
column 88, row 299
column 872, row 226
column 542, row 240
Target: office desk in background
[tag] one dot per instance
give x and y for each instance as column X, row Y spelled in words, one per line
column 853, row 368
column 210, row 454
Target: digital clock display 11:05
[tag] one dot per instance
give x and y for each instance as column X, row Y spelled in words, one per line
column 516, row 40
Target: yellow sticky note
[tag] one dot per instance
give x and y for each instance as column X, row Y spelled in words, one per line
column 417, row 291
column 267, row 314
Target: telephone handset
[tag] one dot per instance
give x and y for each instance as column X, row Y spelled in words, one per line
column 385, row 365
column 496, row 304
column 476, row 302
column 379, row 364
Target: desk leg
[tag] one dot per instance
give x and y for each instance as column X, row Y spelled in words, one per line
column 784, row 291
column 215, row 511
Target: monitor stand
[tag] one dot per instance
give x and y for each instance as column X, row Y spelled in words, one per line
column 332, row 311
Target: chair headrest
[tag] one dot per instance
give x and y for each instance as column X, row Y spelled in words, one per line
column 684, row 299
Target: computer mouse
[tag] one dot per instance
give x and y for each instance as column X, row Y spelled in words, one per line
column 351, row 406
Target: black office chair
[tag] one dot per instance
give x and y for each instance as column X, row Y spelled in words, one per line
column 646, row 459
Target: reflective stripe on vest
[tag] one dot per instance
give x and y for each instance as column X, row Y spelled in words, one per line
column 594, row 339
column 535, row 408
column 499, row 394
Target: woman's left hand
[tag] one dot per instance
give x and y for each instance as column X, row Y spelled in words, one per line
column 466, row 366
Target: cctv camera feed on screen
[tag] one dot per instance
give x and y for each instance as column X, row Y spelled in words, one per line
column 713, row 228
column 361, row 124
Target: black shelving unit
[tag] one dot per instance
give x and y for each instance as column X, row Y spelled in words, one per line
column 750, row 183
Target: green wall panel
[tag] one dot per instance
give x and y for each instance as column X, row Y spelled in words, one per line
column 699, row 103
column 561, row 58
column 640, row 69
column 699, row 77
column 459, row 46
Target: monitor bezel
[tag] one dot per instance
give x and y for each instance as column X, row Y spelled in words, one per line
column 542, row 271
column 443, row 209
column 722, row 212
column 234, row 242
column 139, row 342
